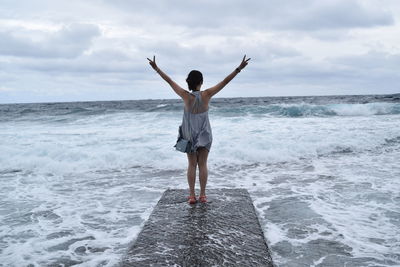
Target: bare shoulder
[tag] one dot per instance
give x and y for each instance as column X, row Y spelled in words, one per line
column 186, row 97
column 207, row 94
column 205, row 97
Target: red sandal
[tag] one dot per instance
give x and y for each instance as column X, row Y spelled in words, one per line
column 192, row 200
column 203, row 199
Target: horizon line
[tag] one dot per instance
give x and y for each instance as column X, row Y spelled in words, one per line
column 153, row 99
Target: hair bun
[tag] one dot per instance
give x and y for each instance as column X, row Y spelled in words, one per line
column 194, row 79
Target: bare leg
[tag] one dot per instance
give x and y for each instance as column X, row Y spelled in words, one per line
column 202, row 155
column 191, row 172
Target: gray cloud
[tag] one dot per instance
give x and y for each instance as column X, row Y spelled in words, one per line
column 317, row 15
column 273, row 14
column 97, row 62
column 371, row 61
column 372, row 72
column 68, row 42
column 100, row 49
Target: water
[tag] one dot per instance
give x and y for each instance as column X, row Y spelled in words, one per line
column 78, row 180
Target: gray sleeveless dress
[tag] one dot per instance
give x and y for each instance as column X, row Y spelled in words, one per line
column 196, row 125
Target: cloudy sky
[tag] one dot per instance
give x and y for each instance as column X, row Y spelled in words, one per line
column 59, row 50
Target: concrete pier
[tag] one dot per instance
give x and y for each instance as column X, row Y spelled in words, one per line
column 223, row 232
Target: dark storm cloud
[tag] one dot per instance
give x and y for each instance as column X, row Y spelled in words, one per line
column 68, row 42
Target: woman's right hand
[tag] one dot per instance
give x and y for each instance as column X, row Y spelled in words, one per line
column 153, row 63
column 244, row 63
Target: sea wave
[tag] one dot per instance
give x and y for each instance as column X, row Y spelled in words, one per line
column 267, row 107
column 310, row 110
column 290, row 110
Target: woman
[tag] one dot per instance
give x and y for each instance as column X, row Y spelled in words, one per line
column 195, row 125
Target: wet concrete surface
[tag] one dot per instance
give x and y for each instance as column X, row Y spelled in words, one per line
column 225, row 231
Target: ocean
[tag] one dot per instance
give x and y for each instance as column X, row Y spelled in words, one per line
column 79, row 179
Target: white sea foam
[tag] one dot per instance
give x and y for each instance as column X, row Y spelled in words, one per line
column 125, row 140
column 364, row 109
column 82, row 189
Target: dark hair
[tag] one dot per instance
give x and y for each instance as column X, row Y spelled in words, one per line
column 194, row 79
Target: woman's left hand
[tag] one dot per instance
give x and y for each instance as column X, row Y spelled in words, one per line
column 153, row 63
column 244, row 63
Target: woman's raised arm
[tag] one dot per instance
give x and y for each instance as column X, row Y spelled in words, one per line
column 210, row 92
column 178, row 90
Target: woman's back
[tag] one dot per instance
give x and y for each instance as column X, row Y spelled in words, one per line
column 195, row 123
column 196, row 103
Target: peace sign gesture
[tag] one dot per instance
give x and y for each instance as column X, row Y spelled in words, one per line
column 153, row 63
column 244, row 63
